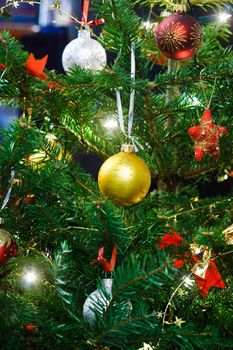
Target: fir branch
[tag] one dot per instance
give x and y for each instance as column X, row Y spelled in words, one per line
column 162, row 168
column 207, row 206
column 203, row 170
column 172, row 335
column 81, row 139
column 64, row 229
column 187, row 80
column 137, row 279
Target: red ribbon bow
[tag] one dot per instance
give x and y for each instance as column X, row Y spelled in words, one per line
column 171, row 238
column 108, row 266
column 94, row 22
column 212, row 277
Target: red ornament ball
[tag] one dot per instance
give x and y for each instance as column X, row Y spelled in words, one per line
column 8, row 247
column 179, row 36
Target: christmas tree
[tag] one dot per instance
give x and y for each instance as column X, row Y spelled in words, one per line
column 141, row 258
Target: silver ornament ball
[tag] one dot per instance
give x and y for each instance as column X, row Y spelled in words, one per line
column 84, row 52
column 99, row 300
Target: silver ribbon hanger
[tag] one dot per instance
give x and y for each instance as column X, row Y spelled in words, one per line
column 131, row 104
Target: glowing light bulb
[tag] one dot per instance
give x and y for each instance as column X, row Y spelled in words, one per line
column 188, row 282
column 110, row 123
column 147, row 25
column 194, row 101
column 223, row 17
column 30, row 277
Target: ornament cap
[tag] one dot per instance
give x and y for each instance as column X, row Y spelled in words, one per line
column 180, row 7
column 107, row 284
column 127, row 148
column 84, row 33
column 1, row 221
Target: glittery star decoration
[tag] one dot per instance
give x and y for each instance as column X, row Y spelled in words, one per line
column 206, row 136
column 159, row 314
column 56, row 5
column 178, row 322
column 181, row 292
column 15, row 4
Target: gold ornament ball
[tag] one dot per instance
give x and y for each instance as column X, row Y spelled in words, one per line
column 124, row 178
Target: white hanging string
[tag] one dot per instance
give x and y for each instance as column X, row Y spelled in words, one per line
column 132, row 93
column 6, row 199
column 131, row 105
column 120, row 111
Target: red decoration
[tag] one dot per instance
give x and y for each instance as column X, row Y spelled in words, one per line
column 179, row 36
column 209, row 276
column 206, row 136
column 35, row 67
column 8, row 248
column 54, row 85
column 84, row 21
column 108, row 266
column 30, row 198
column 3, row 66
column 158, row 59
column 212, row 279
column 31, row 327
column 172, row 238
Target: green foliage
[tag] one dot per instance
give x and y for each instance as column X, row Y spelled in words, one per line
column 60, row 219
column 169, row 4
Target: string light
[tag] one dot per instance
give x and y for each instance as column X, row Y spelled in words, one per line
column 194, row 101
column 30, row 277
column 146, row 25
column 224, row 16
column 188, row 282
column 110, row 123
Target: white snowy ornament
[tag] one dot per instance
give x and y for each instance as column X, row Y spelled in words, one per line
column 99, row 300
column 84, row 52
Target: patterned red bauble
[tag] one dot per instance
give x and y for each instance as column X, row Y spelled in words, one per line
column 8, row 247
column 179, row 36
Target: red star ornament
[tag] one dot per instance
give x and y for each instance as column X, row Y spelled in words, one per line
column 35, row 67
column 206, row 136
column 212, row 279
